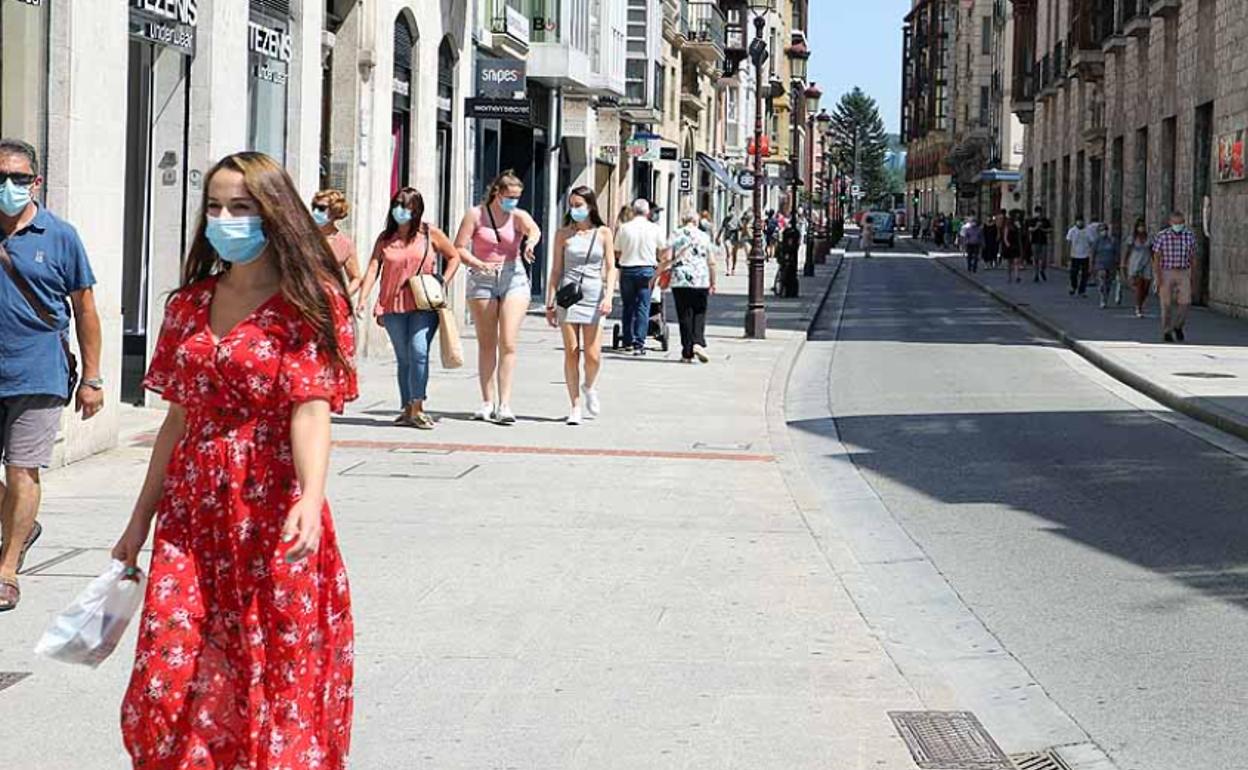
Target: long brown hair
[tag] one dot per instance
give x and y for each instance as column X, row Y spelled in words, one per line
column 591, row 202
column 410, row 199
column 309, row 271
column 501, row 183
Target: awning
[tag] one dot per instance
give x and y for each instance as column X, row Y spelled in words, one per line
column 721, row 173
column 999, row 175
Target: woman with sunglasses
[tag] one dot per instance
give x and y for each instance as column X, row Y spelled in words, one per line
column 496, row 240
column 408, row 247
column 329, row 207
column 579, row 260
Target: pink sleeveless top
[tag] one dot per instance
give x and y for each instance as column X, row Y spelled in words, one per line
column 399, row 262
column 495, row 248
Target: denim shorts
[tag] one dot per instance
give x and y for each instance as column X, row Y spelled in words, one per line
column 510, row 279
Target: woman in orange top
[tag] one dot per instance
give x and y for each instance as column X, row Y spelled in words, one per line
column 405, row 248
column 329, row 207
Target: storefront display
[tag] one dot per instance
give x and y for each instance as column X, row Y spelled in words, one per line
column 269, row 49
column 24, row 71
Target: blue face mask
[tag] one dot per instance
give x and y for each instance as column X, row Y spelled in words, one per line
column 579, row 213
column 321, row 218
column 1179, row 228
column 238, row 240
column 509, row 204
column 402, row 215
column 14, row 198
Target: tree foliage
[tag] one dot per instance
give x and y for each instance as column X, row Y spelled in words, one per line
column 858, row 136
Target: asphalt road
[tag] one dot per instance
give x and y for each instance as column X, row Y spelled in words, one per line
column 1103, row 546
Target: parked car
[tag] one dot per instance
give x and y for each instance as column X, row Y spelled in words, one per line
column 885, row 227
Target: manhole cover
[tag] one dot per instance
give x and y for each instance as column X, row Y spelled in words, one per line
column 1206, row 375
column 1044, row 760
column 949, row 740
column 10, row 678
column 396, row 468
column 705, row 447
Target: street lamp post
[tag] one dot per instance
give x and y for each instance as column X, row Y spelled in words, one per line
column 813, row 94
column 798, row 54
column 756, row 311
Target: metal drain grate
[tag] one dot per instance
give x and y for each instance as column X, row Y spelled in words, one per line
column 10, row 678
column 1042, row 760
column 397, row 468
column 705, row 447
column 1206, row 375
column 949, row 740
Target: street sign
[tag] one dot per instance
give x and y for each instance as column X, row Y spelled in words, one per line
column 745, row 179
column 498, row 108
column 686, row 175
column 856, row 191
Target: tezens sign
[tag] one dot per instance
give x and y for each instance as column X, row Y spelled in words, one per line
column 165, row 22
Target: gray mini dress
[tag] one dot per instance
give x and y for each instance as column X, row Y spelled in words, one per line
column 581, row 266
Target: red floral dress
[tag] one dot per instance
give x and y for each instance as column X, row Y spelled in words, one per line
column 244, row 662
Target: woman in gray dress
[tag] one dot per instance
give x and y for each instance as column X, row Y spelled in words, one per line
column 579, row 260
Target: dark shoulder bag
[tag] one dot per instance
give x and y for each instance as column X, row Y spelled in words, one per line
column 44, row 314
column 569, row 295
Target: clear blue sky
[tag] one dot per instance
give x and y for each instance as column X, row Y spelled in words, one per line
column 858, row 43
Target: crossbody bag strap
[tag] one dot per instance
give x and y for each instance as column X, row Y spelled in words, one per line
column 19, row 280
column 420, row 269
column 588, row 256
column 497, row 236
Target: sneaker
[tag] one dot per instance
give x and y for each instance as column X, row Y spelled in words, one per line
column 639, row 351
column 485, row 413
column 593, row 406
column 1139, row 313
column 1178, row 334
column 574, row 417
column 699, row 353
column 422, row 421
column 686, row 360
column 1103, row 304
column 1167, row 337
column 504, row 415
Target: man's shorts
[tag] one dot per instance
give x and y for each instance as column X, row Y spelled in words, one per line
column 28, row 426
column 511, row 278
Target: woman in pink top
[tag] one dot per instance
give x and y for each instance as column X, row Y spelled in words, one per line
column 329, row 207
column 406, row 247
column 496, row 240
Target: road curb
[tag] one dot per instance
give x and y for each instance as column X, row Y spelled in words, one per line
column 1195, row 407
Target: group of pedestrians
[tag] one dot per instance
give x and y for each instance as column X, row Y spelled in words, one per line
column 1006, row 239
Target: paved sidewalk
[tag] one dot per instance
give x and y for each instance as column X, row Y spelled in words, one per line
column 1205, row 378
column 637, row 592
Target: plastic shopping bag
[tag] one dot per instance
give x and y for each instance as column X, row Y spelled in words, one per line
column 89, row 629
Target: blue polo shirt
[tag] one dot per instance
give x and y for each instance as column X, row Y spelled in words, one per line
column 50, row 256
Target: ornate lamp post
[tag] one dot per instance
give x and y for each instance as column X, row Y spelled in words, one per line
column 824, row 121
column 756, row 311
column 798, row 54
column 813, row 94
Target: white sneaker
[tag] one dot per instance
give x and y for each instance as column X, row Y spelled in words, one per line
column 485, row 413
column 574, row 417
column 593, row 406
column 699, row 353
column 504, row 415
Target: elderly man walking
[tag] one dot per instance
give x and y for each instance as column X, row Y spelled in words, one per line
column 639, row 243
column 1173, row 251
column 44, row 272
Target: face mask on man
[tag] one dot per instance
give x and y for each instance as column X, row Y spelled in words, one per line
column 237, row 240
column 14, row 198
column 1179, row 227
column 402, row 214
column 579, row 213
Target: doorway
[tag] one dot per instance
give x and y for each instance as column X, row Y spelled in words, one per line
column 1202, row 191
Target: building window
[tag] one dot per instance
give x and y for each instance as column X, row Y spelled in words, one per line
column 269, row 48
column 24, row 72
column 985, row 105
column 985, row 42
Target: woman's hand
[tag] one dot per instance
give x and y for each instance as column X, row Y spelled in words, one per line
column 529, row 255
column 551, row 318
column 605, row 306
column 302, row 531
column 132, row 540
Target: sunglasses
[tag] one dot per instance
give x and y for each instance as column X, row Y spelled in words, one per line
column 19, row 179
column 320, row 207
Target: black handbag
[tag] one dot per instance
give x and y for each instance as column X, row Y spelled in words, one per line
column 570, row 294
column 44, row 314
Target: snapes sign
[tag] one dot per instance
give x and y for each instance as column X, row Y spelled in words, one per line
column 500, row 78
column 180, row 11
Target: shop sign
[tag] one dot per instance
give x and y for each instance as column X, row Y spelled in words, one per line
column 269, row 42
column 444, row 104
column 1231, row 156
column 164, row 22
column 668, row 153
column 745, row 180
column 686, row 175
column 31, row 2
column 501, row 79
column 608, row 153
column 496, row 109
column 654, row 152
column 402, row 87
column 636, row 147
column 513, row 23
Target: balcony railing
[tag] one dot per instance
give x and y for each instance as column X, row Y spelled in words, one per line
column 702, row 23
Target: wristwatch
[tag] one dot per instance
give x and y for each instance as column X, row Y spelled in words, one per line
column 95, row 383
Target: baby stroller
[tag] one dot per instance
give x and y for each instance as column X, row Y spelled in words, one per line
column 657, row 326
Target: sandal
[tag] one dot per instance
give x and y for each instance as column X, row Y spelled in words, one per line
column 35, row 532
column 10, row 594
column 422, row 421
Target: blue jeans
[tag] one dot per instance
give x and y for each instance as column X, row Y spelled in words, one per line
column 412, row 335
column 635, row 291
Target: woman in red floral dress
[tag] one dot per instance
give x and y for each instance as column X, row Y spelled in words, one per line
column 244, row 658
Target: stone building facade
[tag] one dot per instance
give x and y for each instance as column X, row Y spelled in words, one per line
column 1128, row 102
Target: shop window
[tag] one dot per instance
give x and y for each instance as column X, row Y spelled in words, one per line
column 24, row 72
column 269, row 51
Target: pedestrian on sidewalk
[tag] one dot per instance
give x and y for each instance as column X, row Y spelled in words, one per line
column 991, row 250
column 407, row 247
column 867, row 236
column 972, row 240
column 1173, row 251
column 329, row 207
column 44, row 272
column 1080, row 241
column 1137, row 263
column 1107, row 263
column 496, row 240
column 692, row 266
column 1039, row 228
column 1011, row 247
column 245, row 645
column 580, row 260
column 639, row 244
column 729, row 237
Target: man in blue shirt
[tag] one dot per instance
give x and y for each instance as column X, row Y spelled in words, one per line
column 43, row 271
